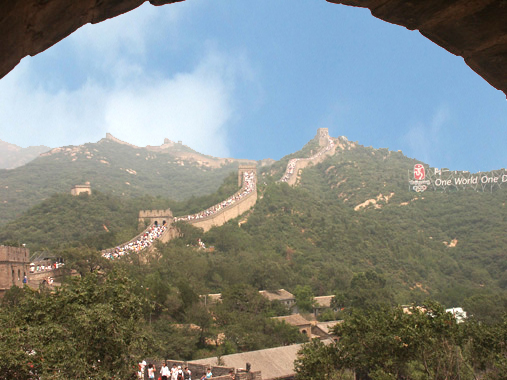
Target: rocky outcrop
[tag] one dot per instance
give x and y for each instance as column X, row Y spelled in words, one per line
column 474, row 30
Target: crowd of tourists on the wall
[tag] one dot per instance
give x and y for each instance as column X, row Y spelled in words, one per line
column 45, row 266
column 247, row 188
column 291, row 166
column 142, row 242
column 165, row 373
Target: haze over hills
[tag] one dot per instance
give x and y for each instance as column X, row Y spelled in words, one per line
column 351, row 213
column 171, row 170
column 13, row 156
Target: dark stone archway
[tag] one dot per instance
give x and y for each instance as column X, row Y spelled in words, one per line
column 474, row 30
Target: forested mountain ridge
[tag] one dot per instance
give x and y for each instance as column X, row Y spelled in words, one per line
column 172, row 170
column 13, row 156
column 352, row 213
column 350, row 227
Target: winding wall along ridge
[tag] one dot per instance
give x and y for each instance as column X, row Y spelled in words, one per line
column 220, row 213
column 232, row 207
column 295, row 164
column 216, row 215
column 142, row 241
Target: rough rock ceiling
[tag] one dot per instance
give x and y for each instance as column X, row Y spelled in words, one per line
column 473, row 29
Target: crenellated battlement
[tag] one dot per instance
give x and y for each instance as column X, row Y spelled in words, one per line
column 156, row 213
column 14, row 254
column 157, row 217
column 323, row 135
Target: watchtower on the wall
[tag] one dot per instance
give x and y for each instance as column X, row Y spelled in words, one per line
column 323, row 134
column 79, row 189
column 14, row 266
column 158, row 217
column 245, row 168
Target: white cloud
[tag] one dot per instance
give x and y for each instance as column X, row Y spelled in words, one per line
column 128, row 35
column 424, row 138
column 122, row 96
column 194, row 107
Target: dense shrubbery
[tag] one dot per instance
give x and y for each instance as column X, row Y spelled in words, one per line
column 426, row 343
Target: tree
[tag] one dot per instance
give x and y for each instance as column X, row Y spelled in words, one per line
column 367, row 290
column 304, row 298
column 317, row 360
column 386, row 343
column 84, row 260
column 91, row 327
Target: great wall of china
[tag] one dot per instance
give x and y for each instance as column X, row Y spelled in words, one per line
column 295, row 165
column 160, row 223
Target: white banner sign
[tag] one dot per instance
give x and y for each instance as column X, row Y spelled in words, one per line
column 423, row 178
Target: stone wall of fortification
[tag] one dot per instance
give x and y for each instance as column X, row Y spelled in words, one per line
column 116, row 140
column 14, row 265
column 159, row 216
column 323, row 134
column 169, row 234
column 305, row 162
column 228, row 213
column 245, row 168
column 328, row 148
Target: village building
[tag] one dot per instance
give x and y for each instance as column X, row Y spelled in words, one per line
column 211, row 299
column 281, row 295
column 81, row 189
column 323, row 330
column 275, row 363
column 321, row 304
column 304, row 325
column 312, row 329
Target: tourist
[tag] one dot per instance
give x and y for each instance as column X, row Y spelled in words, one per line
column 140, row 372
column 187, row 374
column 143, row 241
column 165, row 372
column 208, row 374
column 174, row 372
column 151, row 371
column 180, row 374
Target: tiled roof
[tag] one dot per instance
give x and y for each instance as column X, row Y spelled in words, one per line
column 294, row 320
column 273, row 363
column 279, row 295
column 323, row 301
column 326, row 326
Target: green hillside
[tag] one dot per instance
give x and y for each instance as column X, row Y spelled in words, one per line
column 314, row 235
column 111, row 168
column 99, row 220
column 351, row 228
column 351, row 214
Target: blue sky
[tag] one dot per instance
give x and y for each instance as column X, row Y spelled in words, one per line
column 255, row 80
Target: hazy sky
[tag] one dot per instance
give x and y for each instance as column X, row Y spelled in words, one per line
column 255, row 79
